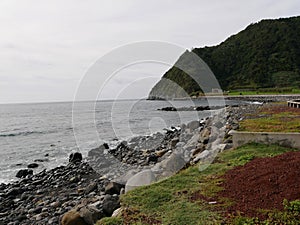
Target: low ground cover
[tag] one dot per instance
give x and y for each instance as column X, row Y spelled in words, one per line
column 273, row 118
column 197, row 197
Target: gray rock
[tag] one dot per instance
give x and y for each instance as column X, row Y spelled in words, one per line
column 113, row 188
column 172, row 165
column 90, row 214
column 218, row 124
column 110, row 204
column 193, row 125
column 173, row 142
column 98, row 151
column 53, row 221
column 142, row 178
column 180, row 144
column 202, row 156
column 91, row 187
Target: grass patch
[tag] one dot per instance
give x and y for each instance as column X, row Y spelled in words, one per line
column 270, row 91
column 110, row 221
column 185, row 197
column 290, row 215
column 274, row 118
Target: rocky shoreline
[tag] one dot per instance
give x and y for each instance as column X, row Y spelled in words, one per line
column 88, row 189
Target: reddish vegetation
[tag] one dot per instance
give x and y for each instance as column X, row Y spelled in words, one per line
column 276, row 109
column 129, row 216
column 263, row 183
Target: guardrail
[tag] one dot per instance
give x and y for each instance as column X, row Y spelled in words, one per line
column 294, row 103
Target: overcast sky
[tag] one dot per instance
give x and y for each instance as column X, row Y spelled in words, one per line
column 46, row 47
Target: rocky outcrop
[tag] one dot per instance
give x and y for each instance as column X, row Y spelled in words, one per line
column 24, row 173
column 75, row 157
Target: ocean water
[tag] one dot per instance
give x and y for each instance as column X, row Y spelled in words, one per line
column 51, row 131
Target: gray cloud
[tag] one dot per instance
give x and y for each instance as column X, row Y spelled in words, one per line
column 47, row 46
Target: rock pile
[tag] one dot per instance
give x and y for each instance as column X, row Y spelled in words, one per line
column 193, row 108
column 44, row 197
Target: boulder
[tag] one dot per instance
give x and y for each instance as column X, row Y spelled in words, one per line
column 160, row 153
column 110, row 204
column 172, row 164
column 24, row 173
column 32, row 165
column 170, row 108
column 75, row 157
column 90, row 214
column 82, row 215
column 73, row 218
column 202, row 156
column 113, row 188
column 98, row 151
column 142, row 178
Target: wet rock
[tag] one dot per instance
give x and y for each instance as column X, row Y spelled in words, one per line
column 98, row 151
column 32, row 165
column 24, row 173
column 41, row 160
column 75, row 157
column 168, row 109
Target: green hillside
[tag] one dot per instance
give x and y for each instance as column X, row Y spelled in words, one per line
column 264, row 55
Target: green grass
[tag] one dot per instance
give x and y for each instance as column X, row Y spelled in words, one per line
column 274, row 91
column 290, row 215
column 110, row 221
column 275, row 118
column 272, row 124
column 170, row 201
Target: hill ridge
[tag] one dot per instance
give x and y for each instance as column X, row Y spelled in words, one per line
column 266, row 54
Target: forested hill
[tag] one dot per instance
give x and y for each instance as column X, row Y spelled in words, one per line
column 264, row 55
